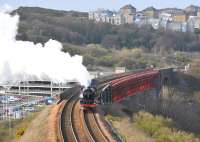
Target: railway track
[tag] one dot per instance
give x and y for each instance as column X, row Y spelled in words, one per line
column 93, row 127
column 67, row 127
column 77, row 125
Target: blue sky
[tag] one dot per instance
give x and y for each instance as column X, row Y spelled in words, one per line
column 86, row 5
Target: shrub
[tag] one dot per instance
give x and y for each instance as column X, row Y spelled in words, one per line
column 161, row 128
column 112, row 118
column 19, row 132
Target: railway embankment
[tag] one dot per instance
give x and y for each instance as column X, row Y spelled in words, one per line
column 37, row 129
column 45, row 126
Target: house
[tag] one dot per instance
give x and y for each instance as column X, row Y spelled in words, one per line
column 118, row 19
column 100, row 15
column 154, row 22
column 175, row 19
column 125, row 15
column 129, row 12
column 150, row 12
column 198, row 13
column 179, row 17
column 174, row 26
column 176, row 15
column 165, row 16
column 193, row 23
column 91, row 15
column 192, row 10
column 184, row 27
column 128, row 9
column 139, row 15
column 170, row 10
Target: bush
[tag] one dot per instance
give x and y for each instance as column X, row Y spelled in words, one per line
column 107, row 61
column 20, row 132
column 161, row 128
column 181, row 57
column 112, row 118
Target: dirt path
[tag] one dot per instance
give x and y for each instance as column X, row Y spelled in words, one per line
column 37, row 131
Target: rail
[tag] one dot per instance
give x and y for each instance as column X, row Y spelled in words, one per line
column 93, row 127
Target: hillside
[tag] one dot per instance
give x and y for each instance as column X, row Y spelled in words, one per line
column 39, row 25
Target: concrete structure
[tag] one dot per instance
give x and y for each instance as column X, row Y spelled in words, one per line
column 166, row 76
column 36, row 88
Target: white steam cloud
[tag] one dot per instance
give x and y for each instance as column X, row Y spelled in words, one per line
column 24, row 60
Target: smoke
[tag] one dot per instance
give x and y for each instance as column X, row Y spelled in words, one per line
column 24, row 60
column 6, row 8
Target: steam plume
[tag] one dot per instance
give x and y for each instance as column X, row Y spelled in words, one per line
column 24, row 60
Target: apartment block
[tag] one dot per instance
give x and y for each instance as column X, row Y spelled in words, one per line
column 174, row 19
column 126, row 14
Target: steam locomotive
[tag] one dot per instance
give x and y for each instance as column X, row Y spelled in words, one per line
column 87, row 99
column 88, row 95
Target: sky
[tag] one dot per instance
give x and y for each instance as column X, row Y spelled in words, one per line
column 87, row 5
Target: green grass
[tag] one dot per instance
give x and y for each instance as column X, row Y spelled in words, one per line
column 15, row 128
column 161, row 129
column 127, row 131
column 112, row 118
column 148, row 127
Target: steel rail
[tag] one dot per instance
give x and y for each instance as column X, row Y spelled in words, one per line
column 67, row 129
column 79, row 126
column 93, row 127
column 87, row 132
column 66, row 122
